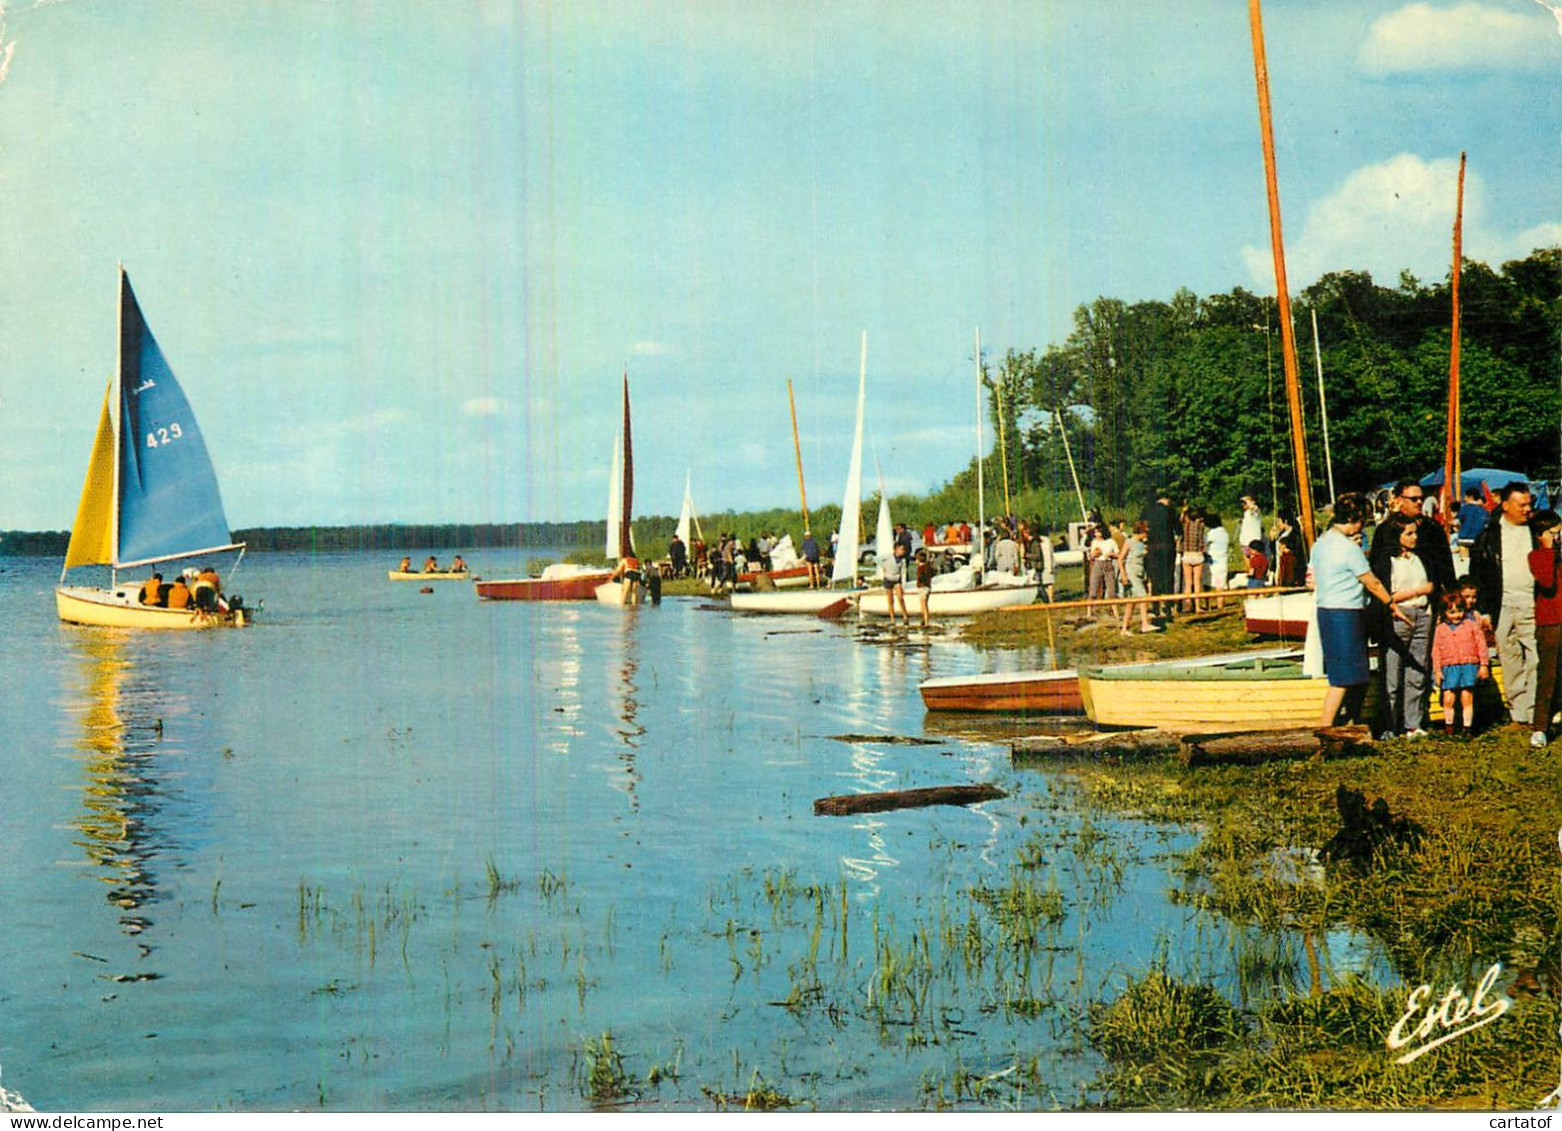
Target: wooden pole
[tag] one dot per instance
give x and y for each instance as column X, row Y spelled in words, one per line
column 798, row 448
column 1293, row 389
column 1451, row 470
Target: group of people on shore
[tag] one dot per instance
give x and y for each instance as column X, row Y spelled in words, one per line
column 1434, row 628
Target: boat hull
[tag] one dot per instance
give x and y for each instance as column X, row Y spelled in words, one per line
column 120, row 608
column 1279, row 614
column 950, row 602
column 1026, row 692
column 442, row 575
column 790, row 578
column 579, row 588
column 796, row 601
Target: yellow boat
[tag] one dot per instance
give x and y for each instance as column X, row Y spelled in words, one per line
column 436, row 575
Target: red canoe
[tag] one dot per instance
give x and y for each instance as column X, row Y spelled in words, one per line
column 1029, row 692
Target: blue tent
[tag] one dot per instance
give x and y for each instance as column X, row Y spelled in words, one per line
column 1494, row 478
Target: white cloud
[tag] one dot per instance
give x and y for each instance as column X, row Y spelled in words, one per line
column 483, row 406
column 1465, row 36
column 1393, row 216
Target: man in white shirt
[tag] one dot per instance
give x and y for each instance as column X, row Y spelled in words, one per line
column 1499, row 562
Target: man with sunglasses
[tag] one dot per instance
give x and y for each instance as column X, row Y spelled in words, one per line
column 1432, row 545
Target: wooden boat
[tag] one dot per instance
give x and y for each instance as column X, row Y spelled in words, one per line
column 559, row 582
column 1033, row 692
column 1255, row 691
column 150, row 495
column 437, row 575
column 1279, row 614
column 814, row 601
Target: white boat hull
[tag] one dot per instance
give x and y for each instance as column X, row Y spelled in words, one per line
column 1279, row 614
column 795, row 601
column 121, row 608
column 950, row 602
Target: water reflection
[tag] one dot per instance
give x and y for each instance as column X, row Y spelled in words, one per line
column 624, row 661
column 121, row 719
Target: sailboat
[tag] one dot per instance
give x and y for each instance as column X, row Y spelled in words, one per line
column 963, row 592
column 621, row 507
column 150, row 496
column 567, row 581
column 847, row 541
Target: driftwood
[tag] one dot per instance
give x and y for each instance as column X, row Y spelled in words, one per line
column 847, row 804
column 1252, row 747
column 885, row 739
column 1143, row 743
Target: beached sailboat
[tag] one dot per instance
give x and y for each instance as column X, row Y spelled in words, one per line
column 567, row 581
column 621, row 542
column 150, row 496
column 847, row 541
column 967, row 591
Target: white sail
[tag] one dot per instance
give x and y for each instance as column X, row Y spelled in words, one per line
column 851, row 503
column 686, row 516
column 884, row 536
column 615, row 500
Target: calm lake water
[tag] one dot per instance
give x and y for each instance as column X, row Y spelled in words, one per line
column 388, row 851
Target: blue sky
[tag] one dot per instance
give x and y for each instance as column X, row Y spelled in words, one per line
column 399, row 253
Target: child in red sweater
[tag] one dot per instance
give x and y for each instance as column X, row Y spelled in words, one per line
column 1458, row 661
column 1548, row 621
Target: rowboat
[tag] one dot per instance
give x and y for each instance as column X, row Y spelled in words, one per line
column 1279, row 614
column 150, row 495
column 1034, row 692
column 436, row 575
column 559, row 582
column 1244, row 691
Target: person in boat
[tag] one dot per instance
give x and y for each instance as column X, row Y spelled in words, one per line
column 930, row 535
column 1343, row 581
column 1406, row 644
column 405, row 566
column 458, row 565
column 206, row 589
column 811, row 556
column 893, row 573
column 431, row 565
column 152, row 590
column 1498, row 566
column 179, row 595
column 628, row 572
column 1543, row 567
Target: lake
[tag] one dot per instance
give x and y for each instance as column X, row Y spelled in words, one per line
column 386, row 850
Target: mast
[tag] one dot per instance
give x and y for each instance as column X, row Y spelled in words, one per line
column 1293, row 390
column 1451, row 494
column 798, row 448
column 116, row 423
column 977, row 552
column 1003, row 440
column 1323, row 405
column 626, row 541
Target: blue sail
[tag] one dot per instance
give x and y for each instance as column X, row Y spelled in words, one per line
column 169, row 505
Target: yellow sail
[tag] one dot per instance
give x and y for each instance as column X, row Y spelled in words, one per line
column 92, row 536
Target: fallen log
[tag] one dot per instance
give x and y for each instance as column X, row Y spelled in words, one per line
column 847, row 804
column 1146, row 743
column 1252, row 747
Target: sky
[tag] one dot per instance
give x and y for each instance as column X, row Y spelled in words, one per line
column 400, row 253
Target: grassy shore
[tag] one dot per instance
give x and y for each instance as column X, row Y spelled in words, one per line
column 1467, row 878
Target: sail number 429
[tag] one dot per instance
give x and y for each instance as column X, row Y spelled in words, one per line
column 160, row 436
